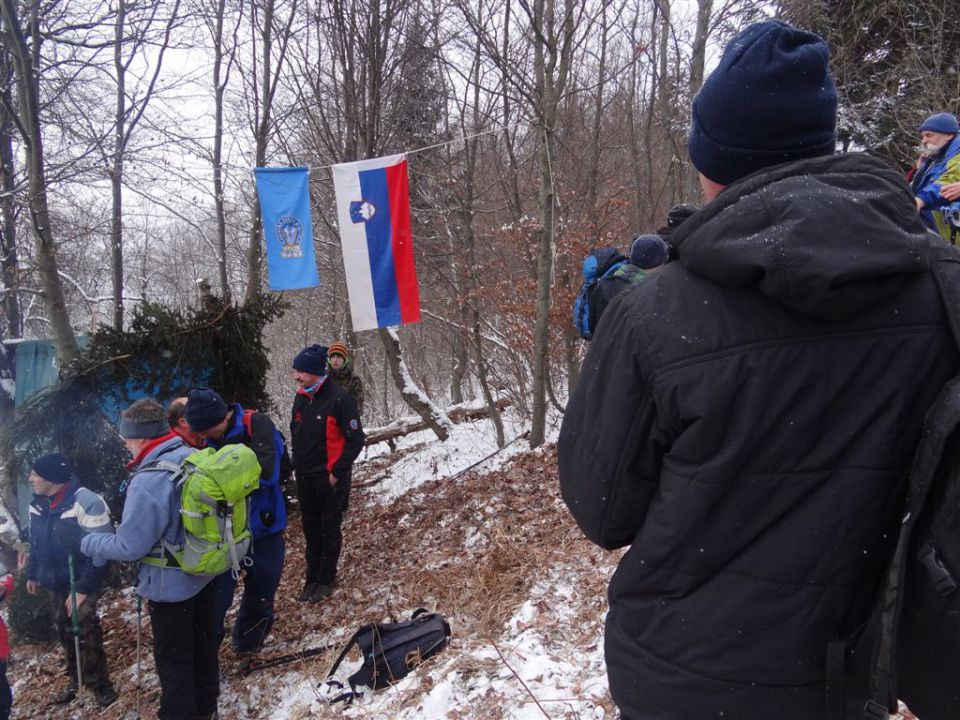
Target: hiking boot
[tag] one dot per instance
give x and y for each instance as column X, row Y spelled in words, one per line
column 240, row 650
column 324, row 590
column 309, row 590
column 105, row 695
column 67, row 696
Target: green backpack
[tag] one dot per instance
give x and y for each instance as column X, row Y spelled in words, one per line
column 213, row 486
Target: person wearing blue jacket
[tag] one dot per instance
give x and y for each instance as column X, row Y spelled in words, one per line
column 181, row 605
column 219, row 424
column 60, row 500
column 939, row 164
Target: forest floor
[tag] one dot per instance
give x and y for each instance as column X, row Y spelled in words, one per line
column 492, row 548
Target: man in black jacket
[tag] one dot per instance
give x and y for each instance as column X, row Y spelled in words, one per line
column 325, row 439
column 745, row 418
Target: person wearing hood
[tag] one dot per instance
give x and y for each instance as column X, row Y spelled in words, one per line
column 745, row 417
column 340, row 370
column 937, row 167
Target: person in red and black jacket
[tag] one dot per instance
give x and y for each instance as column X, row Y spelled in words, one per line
column 326, row 437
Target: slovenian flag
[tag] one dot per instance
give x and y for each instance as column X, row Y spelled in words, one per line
column 373, row 210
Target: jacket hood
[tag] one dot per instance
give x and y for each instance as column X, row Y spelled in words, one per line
column 828, row 236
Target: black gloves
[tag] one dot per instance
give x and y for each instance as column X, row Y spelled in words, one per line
column 68, row 536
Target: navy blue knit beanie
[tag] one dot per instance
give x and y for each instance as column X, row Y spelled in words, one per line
column 54, row 468
column 941, row 123
column 205, row 408
column 648, row 251
column 771, row 100
column 312, row 360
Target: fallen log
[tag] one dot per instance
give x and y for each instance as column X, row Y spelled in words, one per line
column 414, row 423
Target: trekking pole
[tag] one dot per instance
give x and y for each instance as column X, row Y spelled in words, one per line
column 75, row 617
column 139, row 626
column 257, row 665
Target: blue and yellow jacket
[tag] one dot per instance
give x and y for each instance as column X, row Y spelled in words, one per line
column 942, row 169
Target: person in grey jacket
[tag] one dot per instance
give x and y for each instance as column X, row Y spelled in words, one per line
column 181, row 605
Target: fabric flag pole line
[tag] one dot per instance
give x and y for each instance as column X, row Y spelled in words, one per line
column 284, row 195
column 373, row 212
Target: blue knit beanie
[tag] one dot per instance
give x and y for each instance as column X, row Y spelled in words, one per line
column 648, row 251
column 205, row 408
column 54, row 468
column 941, row 123
column 771, row 100
column 312, row 359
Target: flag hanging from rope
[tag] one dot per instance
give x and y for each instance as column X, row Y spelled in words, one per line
column 373, row 211
column 284, row 195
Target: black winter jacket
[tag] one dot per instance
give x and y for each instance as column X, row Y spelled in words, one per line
column 744, row 421
column 325, row 432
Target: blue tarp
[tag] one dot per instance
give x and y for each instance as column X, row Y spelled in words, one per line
column 36, row 366
column 36, row 363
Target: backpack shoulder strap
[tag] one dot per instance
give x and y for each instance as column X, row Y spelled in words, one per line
column 167, row 465
column 346, row 648
column 943, row 418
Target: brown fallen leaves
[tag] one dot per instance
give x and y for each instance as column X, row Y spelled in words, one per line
column 470, row 548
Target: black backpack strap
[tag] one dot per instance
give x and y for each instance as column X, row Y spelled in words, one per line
column 343, row 654
column 942, row 419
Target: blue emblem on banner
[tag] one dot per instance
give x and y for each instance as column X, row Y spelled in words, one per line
column 362, row 210
column 290, row 235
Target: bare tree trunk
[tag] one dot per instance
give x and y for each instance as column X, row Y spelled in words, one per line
column 471, row 149
column 254, row 246
column 553, row 52
column 541, row 332
column 593, row 174
column 133, row 32
column 460, row 362
column 510, row 180
column 435, row 418
column 29, row 121
column 220, row 79
column 116, row 171
column 9, row 265
column 264, row 120
column 697, row 63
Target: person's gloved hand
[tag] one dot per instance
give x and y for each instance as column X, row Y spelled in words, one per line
column 68, row 536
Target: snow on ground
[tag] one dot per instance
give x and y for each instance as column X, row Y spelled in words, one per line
column 491, row 547
column 472, row 442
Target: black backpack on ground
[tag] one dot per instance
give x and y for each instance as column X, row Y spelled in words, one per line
column 917, row 658
column 390, row 651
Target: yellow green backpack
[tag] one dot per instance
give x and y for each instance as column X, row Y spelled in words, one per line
column 213, row 486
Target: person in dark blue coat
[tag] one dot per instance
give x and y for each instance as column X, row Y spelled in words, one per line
column 219, row 424
column 60, row 500
column 938, row 165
